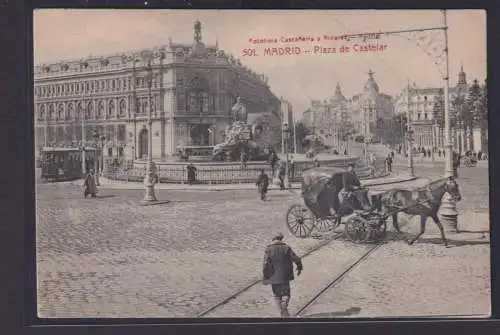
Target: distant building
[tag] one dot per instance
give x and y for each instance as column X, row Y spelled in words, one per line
column 360, row 112
column 419, row 106
column 369, row 106
column 326, row 115
column 193, row 89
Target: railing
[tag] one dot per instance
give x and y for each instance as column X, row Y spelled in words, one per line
column 223, row 173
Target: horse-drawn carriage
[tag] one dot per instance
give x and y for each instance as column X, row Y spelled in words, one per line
column 326, row 202
column 469, row 160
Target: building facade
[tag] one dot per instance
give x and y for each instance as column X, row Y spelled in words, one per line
column 193, row 87
column 417, row 104
column 370, row 106
column 327, row 114
column 360, row 113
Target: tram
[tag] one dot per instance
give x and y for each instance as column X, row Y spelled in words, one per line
column 61, row 164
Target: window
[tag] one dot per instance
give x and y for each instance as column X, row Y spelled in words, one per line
column 121, row 132
column 111, row 108
column 425, row 116
column 120, row 151
column 123, row 107
column 110, row 152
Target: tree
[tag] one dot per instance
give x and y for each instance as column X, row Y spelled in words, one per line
column 475, row 104
column 438, row 109
column 399, row 128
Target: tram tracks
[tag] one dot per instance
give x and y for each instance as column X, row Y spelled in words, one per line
column 302, row 309
column 336, row 280
column 255, row 282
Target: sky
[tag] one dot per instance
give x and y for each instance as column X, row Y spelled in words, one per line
column 75, row 34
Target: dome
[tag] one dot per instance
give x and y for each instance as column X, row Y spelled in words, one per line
column 371, row 85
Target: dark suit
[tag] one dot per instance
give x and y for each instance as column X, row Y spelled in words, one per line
column 263, row 184
column 282, row 257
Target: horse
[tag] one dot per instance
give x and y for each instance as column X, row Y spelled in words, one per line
column 425, row 205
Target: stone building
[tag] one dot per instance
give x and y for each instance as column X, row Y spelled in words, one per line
column 193, row 87
column 359, row 112
column 327, row 114
column 369, row 106
column 418, row 103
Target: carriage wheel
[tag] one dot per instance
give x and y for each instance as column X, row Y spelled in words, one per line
column 355, row 229
column 326, row 225
column 300, row 221
column 379, row 230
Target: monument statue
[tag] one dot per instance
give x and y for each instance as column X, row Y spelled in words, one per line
column 240, row 136
column 239, row 111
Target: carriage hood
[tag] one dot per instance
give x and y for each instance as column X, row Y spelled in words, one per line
column 315, row 180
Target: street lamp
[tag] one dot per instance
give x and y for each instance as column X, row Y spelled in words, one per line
column 286, row 137
column 149, row 196
column 409, row 133
column 449, row 214
column 98, row 162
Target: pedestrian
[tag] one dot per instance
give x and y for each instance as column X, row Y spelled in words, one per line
column 244, row 159
column 89, row 185
column 262, row 184
column 292, row 167
column 191, row 173
column 388, row 163
column 479, row 155
column 281, row 175
column 316, row 163
column 392, row 154
column 278, row 271
column 273, row 159
column 428, row 152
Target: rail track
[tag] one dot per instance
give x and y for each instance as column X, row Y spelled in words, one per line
column 300, row 311
column 332, row 283
column 212, row 308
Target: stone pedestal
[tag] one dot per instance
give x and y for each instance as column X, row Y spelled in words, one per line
column 448, row 213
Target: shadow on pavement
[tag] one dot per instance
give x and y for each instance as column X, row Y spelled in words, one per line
column 348, row 312
column 453, row 243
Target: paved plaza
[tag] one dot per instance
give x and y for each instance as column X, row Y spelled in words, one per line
column 109, row 257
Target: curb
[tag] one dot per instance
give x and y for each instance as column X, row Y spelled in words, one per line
column 237, row 187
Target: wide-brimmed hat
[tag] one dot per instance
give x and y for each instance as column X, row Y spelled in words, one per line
column 278, row 236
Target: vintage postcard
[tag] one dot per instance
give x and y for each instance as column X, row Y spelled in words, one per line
column 261, row 163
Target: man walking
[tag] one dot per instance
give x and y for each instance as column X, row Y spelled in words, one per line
column 262, row 184
column 388, row 163
column 278, row 271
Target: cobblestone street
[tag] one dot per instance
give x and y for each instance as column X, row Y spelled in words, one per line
column 109, row 257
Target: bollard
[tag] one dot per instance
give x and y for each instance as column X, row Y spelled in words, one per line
column 449, row 214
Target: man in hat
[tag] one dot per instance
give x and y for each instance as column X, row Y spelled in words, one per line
column 278, row 271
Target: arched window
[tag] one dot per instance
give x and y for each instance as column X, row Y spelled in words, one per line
column 70, row 113
column 111, row 108
column 60, row 112
column 123, row 107
column 79, row 110
column 90, row 109
column 41, row 114
column 198, row 97
column 52, row 115
column 100, row 109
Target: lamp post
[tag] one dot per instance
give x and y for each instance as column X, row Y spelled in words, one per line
column 286, row 137
column 409, row 133
column 84, row 156
column 98, row 158
column 149, row 196
column 365, row 131
column 449, row 214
